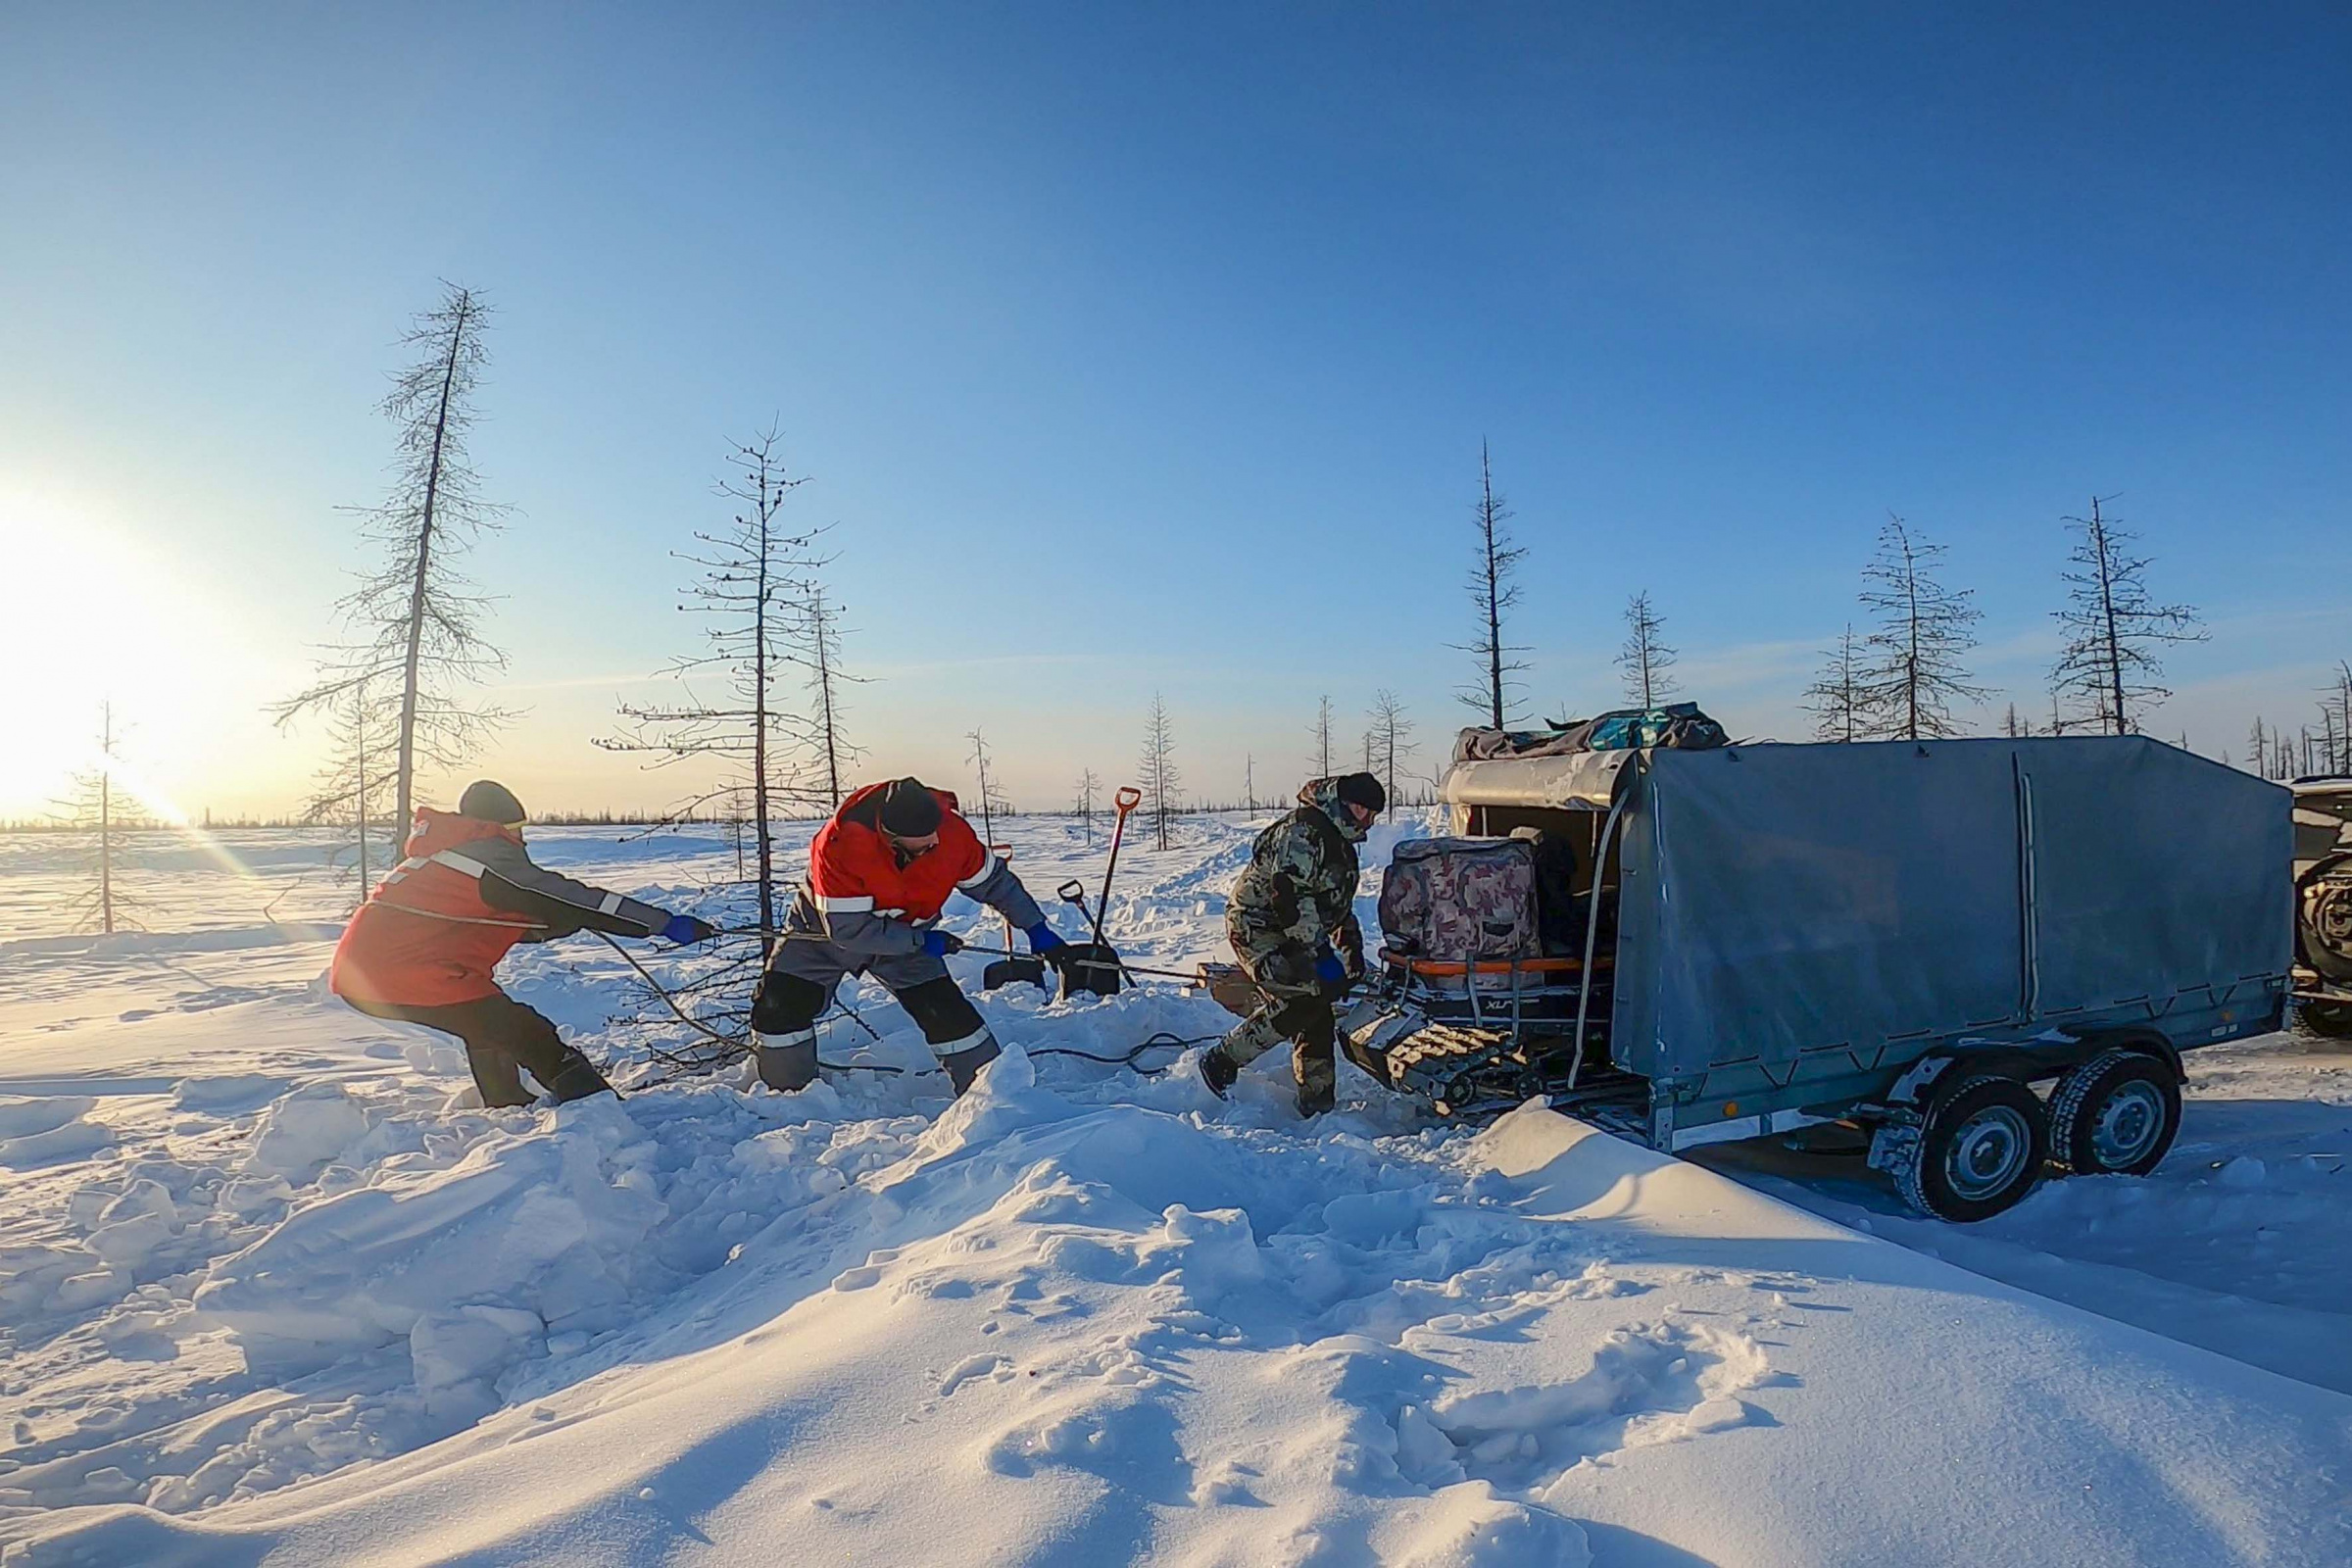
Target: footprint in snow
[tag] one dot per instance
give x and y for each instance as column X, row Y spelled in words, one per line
column 1656, row 1383
column 995, row 1367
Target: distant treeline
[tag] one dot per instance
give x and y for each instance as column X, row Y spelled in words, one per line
column 633, row 818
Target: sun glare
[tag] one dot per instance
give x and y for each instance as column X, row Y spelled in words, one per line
column 88, row 615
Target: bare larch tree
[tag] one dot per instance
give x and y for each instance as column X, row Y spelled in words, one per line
column 1492, row 590
column 1835, row 700
column 350, row 789
column 1915, row 668
column 1084, row 800
column 1159, row 778
column 1320, row 757
column 1391, row 739
column 413, row 633
column 1645, row 661
column 2335, row 715
column 754, row 599
column 2110, row 665
column 97, row 807
column 830, row 752
column 992, row 803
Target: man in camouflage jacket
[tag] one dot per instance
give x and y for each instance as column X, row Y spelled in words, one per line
column 1292, row 920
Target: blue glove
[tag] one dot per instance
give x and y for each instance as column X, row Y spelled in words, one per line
column 685, row 928
column 1042, row 939
column 938, row 944
column 1329, row 969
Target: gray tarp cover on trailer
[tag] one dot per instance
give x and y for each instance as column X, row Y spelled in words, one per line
column 1783, row 900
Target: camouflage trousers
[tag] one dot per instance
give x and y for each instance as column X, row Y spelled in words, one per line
column 1304, row 1019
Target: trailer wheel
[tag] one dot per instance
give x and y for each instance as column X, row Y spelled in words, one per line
column 2116, row 1115
column 1980, row 1150
column 2334, row 1019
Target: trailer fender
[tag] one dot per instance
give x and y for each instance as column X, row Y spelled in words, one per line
column 1912, row 1090
column 2148, row 1041
column 1928, row 1080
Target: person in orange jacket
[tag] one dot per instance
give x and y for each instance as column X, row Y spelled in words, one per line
column 423, row 949
column 879, row 874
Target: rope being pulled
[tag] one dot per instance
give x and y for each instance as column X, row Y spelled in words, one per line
column 736, row 1048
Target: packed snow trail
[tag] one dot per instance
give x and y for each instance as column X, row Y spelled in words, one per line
column 273, row 1295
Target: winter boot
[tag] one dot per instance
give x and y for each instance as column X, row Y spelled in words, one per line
column 576, row 1078
column 787, row 1061
column 1218, row 1070
column 964, row 1065
column 1318, row 1082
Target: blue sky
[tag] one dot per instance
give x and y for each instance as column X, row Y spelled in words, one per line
column 1151, row 348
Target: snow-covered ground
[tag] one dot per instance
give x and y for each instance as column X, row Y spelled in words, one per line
column 272, row 1292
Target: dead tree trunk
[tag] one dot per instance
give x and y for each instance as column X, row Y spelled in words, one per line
column 461, row 328
column 1495, row 594
column 413, row 622
column 1159, row 777
column 1645, row 659
column 763, row 614
column 2113, row 630
column 1923, row 632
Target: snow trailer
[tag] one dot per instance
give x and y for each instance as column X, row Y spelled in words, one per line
column 1902, row 937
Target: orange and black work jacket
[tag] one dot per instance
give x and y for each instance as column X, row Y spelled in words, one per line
column 862, row 899
column 443, row 917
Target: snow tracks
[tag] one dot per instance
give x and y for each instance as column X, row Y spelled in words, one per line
column 1037, row 1330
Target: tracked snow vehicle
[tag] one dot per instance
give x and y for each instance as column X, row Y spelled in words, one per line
column 1904, row 938
column 2324, row 905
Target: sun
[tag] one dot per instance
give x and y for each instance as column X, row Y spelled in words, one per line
column 88, row 615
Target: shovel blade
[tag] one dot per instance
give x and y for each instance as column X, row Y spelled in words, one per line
column 1090, row 969
column 1013, row 972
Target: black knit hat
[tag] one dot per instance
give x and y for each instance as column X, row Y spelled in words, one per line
column 1362, row 789
column 487, row 800
column 909, row 810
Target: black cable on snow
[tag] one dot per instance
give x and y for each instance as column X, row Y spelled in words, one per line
column 736, row 1048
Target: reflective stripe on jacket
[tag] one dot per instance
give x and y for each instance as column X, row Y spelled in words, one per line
column 861, row 898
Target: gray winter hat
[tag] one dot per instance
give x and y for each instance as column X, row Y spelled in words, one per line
column 488, row 801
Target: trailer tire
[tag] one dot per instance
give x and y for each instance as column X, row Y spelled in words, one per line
column 2116, row 1115
column 1978, row 1150
column 2332, row 1021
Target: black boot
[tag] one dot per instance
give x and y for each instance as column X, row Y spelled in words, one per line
column 964, row 1065
column 1218, row 1070
column 576, row 1078
column 787, row 1061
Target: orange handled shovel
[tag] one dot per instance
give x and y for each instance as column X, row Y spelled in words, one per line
column 1126, row 800
column 1094, row 966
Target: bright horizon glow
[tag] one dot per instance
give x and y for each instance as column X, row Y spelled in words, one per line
column 1139, row 351
column 91, row 613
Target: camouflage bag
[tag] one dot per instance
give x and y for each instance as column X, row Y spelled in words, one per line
column 1455, row 900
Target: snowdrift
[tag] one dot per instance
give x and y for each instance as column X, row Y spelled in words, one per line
column 1051, row 1332
column 285, row 1300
